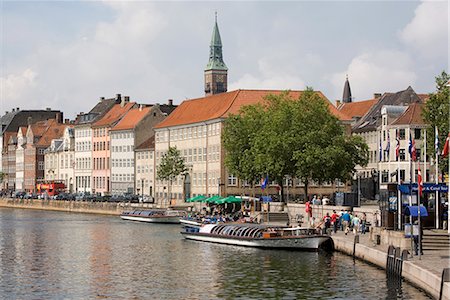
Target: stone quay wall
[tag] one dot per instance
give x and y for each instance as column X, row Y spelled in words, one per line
column 420, row 277
column 105, row 208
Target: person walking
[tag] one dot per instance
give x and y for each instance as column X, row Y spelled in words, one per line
column 346, row 221
column 334, row 221
column 363, row 223
column 356, row 222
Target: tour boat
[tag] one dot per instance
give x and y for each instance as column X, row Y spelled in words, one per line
column 154, row 216
column 260, row 236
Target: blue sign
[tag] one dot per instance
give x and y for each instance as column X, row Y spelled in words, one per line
column 427, row 188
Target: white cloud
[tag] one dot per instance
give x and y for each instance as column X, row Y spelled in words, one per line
column 427, row 32
column 376, row 72
column 114, row 57
column 270, row 76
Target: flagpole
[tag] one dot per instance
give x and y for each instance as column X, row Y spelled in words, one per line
column 399, row 194
column 436, row 150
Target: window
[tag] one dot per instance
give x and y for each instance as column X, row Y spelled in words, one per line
column 385, row 176
column 232, row 180
column 417, row 133
column 401, row 134
column 402, row 155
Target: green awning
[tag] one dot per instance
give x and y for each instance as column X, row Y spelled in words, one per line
column 229, row 199
column 198, row 198
column 212, row 199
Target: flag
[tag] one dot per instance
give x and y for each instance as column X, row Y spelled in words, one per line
column 419, row 181
column 264, row 182
column 388, row 145
column 397, row 147
column 446, row 146
column 436, row 141
column 412, row 148
column 381, row 151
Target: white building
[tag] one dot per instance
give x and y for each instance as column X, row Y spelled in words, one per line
column 20, row 158
column 145, row 162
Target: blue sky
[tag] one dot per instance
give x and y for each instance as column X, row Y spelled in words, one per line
column 67, row 54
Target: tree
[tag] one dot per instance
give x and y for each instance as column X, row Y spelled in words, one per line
column 436, row 113
column 288, row 137
column 171, row 166
column 238, row 137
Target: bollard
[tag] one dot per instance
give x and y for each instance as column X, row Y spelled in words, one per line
column 398, row 261
column 355, row 241
column 390, row 254
column 445, row 278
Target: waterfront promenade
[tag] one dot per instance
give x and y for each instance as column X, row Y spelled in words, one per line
column 424, row 272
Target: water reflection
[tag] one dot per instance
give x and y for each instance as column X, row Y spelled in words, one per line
column 59, row 255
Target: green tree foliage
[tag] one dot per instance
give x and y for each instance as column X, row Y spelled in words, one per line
column 436, row 113
column 286, row 137
column 171, row 166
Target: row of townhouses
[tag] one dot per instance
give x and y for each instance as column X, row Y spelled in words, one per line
column 116, row 147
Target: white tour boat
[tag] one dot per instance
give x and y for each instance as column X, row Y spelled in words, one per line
column 154, row 216
column 260, row 236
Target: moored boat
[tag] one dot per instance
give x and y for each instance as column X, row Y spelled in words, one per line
column 260, row 236
column 154, row 216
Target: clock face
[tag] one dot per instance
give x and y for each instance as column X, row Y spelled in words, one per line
column 221, row 78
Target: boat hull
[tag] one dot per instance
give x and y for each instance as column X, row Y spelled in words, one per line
column 162, row 219
column 307, row 243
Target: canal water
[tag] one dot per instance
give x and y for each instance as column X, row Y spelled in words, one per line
column 55, row 255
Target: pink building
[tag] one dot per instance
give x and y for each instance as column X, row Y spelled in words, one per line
column 101, row 146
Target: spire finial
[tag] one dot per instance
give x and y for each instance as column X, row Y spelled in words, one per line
column 215, row 15
column 346, row 76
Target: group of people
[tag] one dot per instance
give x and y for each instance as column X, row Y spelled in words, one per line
column 345, row 221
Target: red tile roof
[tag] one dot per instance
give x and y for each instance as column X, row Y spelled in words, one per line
column 412, row 115
column 221, row 105
column 357, row 109
column 147, row 145
column 132, row 118
column 114, row 115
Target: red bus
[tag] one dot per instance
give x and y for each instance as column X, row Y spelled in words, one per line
column 51, row 187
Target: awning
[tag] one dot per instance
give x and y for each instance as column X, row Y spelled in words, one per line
column 266, row 198
column 212, row 199
column 413, row 211
column 229, row 199
column 197, row 198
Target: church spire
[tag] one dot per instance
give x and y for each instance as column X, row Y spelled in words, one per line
column 216, row 70
column 347, row 96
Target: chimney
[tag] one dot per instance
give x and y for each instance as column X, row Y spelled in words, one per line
column 127, row 99
column 29, row 120
column 48, row 109
column 66, row 121
column 376, row 95
column 102, row 98
column 118, row 98
column 6, row 112
column 13, row 110
column 17, row 109
column 140, row 107
column 338, row 103
column 170, row 102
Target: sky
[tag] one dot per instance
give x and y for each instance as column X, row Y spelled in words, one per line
column 67, row 54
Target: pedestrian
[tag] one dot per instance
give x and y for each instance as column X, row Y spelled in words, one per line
column 327, row 222
column 334, row 221
column 355, row 222
column 346, row 222
column 308, row 209
column 445, row 218
column 363, row 223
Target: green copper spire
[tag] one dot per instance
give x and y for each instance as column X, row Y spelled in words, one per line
column 215, row 53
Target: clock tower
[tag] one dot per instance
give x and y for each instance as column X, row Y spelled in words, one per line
column 216, row 72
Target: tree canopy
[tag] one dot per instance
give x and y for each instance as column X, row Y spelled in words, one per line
column 171, row 166
column 436, row 113
column 291, row 137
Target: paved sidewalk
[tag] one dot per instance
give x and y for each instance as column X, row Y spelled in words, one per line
column 433, row 261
